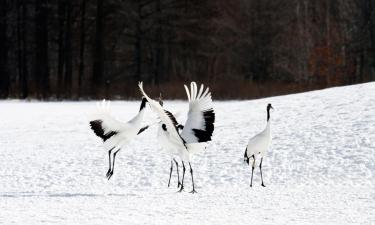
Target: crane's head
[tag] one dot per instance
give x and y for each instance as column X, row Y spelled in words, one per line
column 246, row 158
column 160, row 99
column 269, row 106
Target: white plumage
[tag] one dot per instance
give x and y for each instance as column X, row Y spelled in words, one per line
column 169, row 149
column 164, row 142
column 163, row 139
column 258, row 146
column 114, row 133
column 200, row 108
column 198, row 128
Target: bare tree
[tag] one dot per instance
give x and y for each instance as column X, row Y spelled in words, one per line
column 41, row 48
column 4, row 45
column 98, row 60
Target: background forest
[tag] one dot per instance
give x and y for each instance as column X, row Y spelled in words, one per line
column 83, row 49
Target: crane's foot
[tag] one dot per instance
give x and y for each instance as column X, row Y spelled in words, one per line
column 251, row 185
column 181, row 189
column 263, row 185
column 110, row 175
column 179, row 184
column 193, row 191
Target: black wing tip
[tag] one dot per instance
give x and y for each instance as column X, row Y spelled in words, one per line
column 96, row 126
column 202, row 135
column 206, row 134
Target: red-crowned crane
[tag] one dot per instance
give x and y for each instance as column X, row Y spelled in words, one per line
column 258, row 145
column 114, row 133
column 198, row 128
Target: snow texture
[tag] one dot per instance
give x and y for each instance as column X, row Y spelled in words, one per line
column 319, row 169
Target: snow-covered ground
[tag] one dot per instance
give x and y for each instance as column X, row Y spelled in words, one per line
column 320, row 168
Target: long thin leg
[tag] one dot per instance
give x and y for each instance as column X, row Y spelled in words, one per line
column 192, row 179
column 113, row 161
column 170, row 173
column 110, row 162
column 178, row 174
column 183, row 176
column 113, row 164
column 260, row 168
column 252, row 171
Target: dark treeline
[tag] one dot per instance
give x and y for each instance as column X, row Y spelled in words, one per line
column 65, row 49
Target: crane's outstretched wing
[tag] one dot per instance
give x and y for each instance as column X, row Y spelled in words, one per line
column 165, row 116
column 200, row 121
column 104, row 124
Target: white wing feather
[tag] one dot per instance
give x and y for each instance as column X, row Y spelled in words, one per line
column 199, row 103
column 109, row 123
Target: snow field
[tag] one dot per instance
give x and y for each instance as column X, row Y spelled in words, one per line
column 319, row 170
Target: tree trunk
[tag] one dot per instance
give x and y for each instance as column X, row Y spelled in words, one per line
column 138, row 45
column 41, row 37
column 159, row 49
column 25, row 73
column 82, row 48
column 4, row 72
column 372, row 39
column 61, row 47
column 98, row 49
column 68, row 51
column 19, row 42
